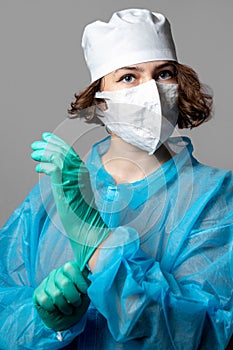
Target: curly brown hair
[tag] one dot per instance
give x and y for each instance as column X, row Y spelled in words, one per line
column 194, row 103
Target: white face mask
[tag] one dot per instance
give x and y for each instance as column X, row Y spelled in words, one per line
column 144, row 116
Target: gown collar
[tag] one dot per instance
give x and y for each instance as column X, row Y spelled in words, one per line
column 101, row 180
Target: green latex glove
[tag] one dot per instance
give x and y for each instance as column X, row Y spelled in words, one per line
column 61, row 299
column 73, row 195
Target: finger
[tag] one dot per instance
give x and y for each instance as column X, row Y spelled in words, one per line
column 42, row 155
column 54, row 154
column 61, row 303
column 72, row 271
column 56, row 295
column 52, row 157
column 38, row 145
column 49, row 156
column 55, row 144
column 42, row 299
column 52, row 140
column 48, row 147
column 46, row 168
column 69, row 291
column 55, row 140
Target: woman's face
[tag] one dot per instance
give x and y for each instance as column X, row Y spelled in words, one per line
column 125, row 77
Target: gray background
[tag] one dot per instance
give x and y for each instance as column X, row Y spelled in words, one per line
column 41, row 66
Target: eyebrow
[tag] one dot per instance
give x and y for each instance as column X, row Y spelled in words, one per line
column 130, row 68
column 138, row 69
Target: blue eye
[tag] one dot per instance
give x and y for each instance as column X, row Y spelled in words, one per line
column 128, row 78
column 165, row 75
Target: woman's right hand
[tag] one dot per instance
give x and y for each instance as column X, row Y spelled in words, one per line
column 61, row 299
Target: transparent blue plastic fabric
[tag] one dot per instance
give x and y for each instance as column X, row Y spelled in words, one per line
column 165, row 274
column 163, row 280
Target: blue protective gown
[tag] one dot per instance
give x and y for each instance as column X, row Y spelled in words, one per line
column 164, row 279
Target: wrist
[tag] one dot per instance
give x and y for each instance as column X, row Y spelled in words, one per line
column 94, row 257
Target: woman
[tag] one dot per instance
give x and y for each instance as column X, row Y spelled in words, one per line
column 148, row 224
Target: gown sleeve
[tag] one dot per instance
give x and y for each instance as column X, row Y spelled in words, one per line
column 21, row 327
column 182, row 301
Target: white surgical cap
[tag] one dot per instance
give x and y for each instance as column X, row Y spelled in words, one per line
column 131, row 36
